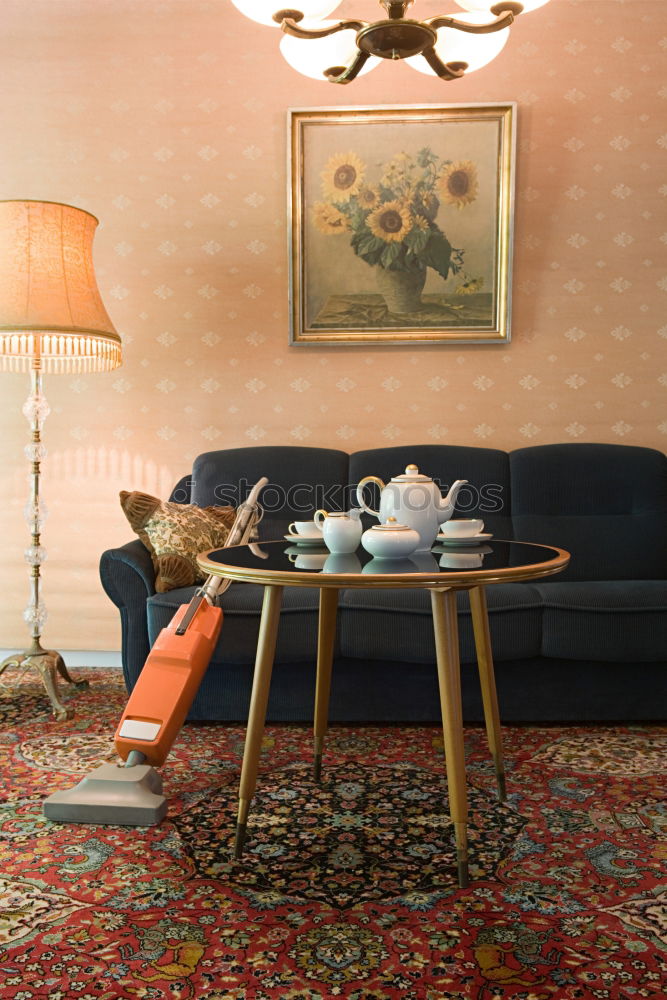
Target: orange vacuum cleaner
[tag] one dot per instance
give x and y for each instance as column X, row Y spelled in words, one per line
column 131, row 794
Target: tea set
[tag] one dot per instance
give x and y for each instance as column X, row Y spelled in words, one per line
column 413, row 515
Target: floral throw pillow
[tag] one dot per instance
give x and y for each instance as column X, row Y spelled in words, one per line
column 174, row 534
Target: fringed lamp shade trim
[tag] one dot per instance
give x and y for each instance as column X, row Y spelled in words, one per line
column 59, row 353
column 52, row 317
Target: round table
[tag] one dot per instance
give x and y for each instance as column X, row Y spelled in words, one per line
column 446, row 569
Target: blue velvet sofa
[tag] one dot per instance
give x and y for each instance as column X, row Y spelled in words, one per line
column 588, row 644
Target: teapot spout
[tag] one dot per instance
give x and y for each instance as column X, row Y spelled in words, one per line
column 447, row 504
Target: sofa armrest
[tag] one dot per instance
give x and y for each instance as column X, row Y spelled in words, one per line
column 128, row 578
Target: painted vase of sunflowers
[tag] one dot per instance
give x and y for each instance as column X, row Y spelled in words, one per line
column 401, row 290
column 391, row 224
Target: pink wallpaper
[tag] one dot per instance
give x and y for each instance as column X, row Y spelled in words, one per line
column 167, row 121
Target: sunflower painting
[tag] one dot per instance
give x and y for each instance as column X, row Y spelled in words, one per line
column 401, row 224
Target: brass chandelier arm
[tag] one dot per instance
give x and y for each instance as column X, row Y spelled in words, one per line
column 334, row 75
column 446, row 71
column 291, row 27
column 446, row 21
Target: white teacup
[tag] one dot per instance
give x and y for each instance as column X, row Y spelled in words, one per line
column 313, row 560
column 463, row 527
column 304, row 529
column 461, row 560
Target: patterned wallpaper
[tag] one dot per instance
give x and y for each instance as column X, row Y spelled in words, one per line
column 167, row 120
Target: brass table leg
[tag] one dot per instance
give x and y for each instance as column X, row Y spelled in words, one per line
column 445, row 628
column 480, row 624
column 49, row 663
column 326, row 635
column 266, row 647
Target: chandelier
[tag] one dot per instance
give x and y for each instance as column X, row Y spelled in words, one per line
column 447, row 45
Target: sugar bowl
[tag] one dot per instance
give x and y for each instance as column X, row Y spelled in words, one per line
column 390, row 540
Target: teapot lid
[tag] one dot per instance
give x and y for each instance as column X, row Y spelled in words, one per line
column 391, row 524
column 411, row 475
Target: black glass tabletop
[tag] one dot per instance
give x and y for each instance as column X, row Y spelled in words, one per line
column 449, row 563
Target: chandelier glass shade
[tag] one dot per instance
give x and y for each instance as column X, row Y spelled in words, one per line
column 485, row 5
column 309, row 55
column 445, row 45
column 457, row 47
column 262, row 11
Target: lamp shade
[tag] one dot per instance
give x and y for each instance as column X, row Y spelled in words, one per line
column 51, row 313
column 262, row 11
column 312, row 56
column 486, row 5
column 460, row 46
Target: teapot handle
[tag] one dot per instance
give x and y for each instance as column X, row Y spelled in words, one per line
column 360, row 494
column 319, row 517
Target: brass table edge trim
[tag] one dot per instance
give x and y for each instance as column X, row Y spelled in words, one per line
column 456, row 580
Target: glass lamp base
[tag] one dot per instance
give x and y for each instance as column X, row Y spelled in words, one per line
column 49, row 663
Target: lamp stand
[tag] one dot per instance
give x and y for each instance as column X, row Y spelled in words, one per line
column 48, row 662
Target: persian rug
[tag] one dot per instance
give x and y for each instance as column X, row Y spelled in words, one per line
column 347, row 888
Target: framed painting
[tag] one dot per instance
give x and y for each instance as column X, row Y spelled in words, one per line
column 401, row 222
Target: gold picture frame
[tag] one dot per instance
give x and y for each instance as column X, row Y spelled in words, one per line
column 401, row 224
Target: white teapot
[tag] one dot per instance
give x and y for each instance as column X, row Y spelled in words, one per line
column 415, row 500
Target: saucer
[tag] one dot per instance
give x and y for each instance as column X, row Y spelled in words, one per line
column 301, row 540
column 459, row 552
column 307, row 557
column 297, row 550
column 458, row 559
column 458, row 542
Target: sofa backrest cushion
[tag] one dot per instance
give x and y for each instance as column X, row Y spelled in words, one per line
column 486, row 469
column 181, row 492
column 605, row 503
column 300, row 481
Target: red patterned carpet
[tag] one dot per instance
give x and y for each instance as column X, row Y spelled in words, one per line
column 346, row 889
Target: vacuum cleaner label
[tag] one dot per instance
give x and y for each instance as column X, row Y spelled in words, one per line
column 134, row 729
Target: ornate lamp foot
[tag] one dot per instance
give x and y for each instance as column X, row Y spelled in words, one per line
column 49, row 663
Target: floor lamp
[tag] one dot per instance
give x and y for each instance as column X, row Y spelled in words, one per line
column 52, row 321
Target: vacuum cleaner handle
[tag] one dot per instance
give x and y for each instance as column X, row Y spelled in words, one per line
column 247, row 516
column 174, row 669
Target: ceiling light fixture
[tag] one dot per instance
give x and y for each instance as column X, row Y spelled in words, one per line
column 447, row 45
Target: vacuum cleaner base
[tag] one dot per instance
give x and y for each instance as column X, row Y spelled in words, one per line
column 111, row 795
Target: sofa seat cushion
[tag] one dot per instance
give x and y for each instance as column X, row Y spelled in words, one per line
column 612, row 620
column 242, row 606
column 400, row 626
